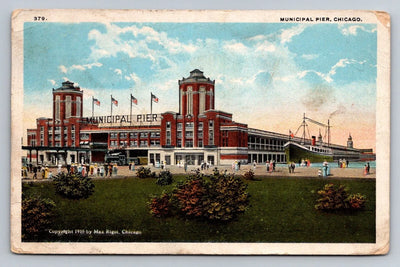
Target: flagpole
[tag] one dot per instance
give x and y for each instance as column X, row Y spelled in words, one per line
column 130, row 118
column 92, row 106
column 151, row 103
column 111, row 106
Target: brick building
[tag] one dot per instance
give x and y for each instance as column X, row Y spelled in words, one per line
column 196, row 133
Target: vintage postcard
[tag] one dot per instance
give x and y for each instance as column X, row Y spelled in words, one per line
column 200, row 132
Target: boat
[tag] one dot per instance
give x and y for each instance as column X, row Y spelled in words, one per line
column 298, row 149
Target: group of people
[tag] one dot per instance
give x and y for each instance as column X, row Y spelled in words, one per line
column 236, row 165
column 270, row 165
column 44, row 172
column 343, row 163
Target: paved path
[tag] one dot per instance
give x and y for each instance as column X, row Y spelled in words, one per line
column 260, row 170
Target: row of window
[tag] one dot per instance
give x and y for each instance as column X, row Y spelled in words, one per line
column 134, row 135
column 142, row 143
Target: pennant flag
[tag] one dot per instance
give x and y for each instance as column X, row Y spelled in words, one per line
column 133, row 99
column 291, row 134
column 154, row 98
column 114, row 101
column 96, row 101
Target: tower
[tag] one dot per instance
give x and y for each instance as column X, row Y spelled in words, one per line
column 196, row 94
column 350, row 141
column 67, row 110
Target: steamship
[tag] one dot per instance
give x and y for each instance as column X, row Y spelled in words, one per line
column 316, row 150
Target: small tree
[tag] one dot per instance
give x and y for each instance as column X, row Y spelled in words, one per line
column 37, row 214
column 164, row 178
column 73, row 186
column 337, row 198
column 143, row 172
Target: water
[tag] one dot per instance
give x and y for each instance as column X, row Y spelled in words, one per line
column 333, row 165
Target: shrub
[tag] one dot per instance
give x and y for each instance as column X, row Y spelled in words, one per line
column 356, row 201
column 164, row 178
column 218, row 197
column 143, row 172
column 73, row 186
column 249, row 175
column 36, row 215
column 161, row 206
column 190, row 197
column 337, row 198
column 226, row 198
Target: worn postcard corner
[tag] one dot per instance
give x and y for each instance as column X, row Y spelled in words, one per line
column 200, row 132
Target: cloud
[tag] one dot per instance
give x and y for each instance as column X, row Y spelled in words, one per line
column 65, row 79
column 342, row 63
column 236, row 47
column 118, row 71
column 136, row 42
column 62, row 68
column 80, row 67
column 133, row 77
column 352, row 30
column 53, row 82
column 287, row 34
column 309, row 56
column 265, row 47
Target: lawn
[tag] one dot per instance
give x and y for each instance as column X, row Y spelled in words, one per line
column 281, row 210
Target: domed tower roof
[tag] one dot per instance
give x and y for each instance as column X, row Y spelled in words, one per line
column 196, row 76
column 68, row 85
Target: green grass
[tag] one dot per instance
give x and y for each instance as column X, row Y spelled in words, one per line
column 281, row 210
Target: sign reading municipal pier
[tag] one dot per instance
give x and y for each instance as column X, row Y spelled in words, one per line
column 125, row 120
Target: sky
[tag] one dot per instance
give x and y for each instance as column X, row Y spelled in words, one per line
column 266, row 74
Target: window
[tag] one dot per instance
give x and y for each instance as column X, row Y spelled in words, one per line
column 113, row 135
column 57, row 115
column 133, row 135
column 72, row 127
column 189, row 125
column 200, row 143
column 188, row 143
column 179, row 134
column 78, row 106
column 168, row 124
column 189, row 100
column 155, row 135
column 84, row 136
column 67, row 106
column 179, row 126
column 179, row 143
column 133, row 143
column 189, row 134
column 202, row 104
column 200, row 126
column 41, row 128
column 168, row 134
column 143, row 143
column 144, row 135
column 123, row 135
column 211, row 123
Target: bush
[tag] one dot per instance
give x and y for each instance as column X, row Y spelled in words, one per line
column 337, row 198
column 356, row 201
column 37, row 214
column 190, row 197
column 161, row 206
column 164, row 178
column 217, row 197
column 249, row 175
column 73, row 186
column 143, row 172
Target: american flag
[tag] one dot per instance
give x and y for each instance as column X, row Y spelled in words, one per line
column 154, row 98
column 114, row 101
column 133, row 99
column 96, row 101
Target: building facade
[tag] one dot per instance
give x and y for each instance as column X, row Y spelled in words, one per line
column 196, row 133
